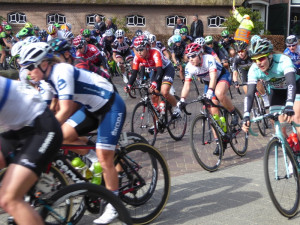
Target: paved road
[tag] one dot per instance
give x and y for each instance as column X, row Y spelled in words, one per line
column 235, row 194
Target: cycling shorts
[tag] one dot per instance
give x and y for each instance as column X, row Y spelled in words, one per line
column 167, row 77
column 244, row 76
column 225, row 77
column 127, row 55
column 35, row 146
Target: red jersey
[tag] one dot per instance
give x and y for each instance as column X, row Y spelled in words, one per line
column 92, row 54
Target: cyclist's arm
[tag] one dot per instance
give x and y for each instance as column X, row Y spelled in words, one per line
column 249, row 98
column 166, row 53
column 291, row 88
column 158, row 74
column 174, row 58
column 133, row 77
column 213, row 79
column 186, row 88
column 66, row 109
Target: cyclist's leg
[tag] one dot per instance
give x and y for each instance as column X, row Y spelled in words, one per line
column 167, row 82
column 221, row 90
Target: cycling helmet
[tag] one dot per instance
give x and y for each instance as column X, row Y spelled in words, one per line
column 120, row 33
column 109, row 33
column 254, row 38
column 152, row 38
column 57, row 25
column 31, row 39
column 225, row 34
column 7, row 27
column 43, row 33
column 146, row 33
column 209, row 39
column 52, row 29
column 176, row 38
column 28, row 25
column 138, row 33
column 183, row 31
column 193, row 49
column 4, row 23
column 69, row 26
column 86, row 33
column 24, row 32
column 97, row 26
column 291, row 40
column 81, row 31
column 200, row 41
column 79, row 41
column 59, row 45
column 36, row 28
column 141, row 41
column 261, row 46
column 16, row 49
column 177, row 31
column 240, row 45
column 68, row 35
column 35, row 53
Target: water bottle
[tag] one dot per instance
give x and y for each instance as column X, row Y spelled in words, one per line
column 97, row 178
column 223, row 123
column 82, row 167
column 162, row 107
column 217, row 119
column 295, row 140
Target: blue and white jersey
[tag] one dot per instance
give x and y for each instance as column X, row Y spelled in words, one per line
column 47, row 92
column 20, row 104
column 84, row 87
column 295, row 56
column 208, row 65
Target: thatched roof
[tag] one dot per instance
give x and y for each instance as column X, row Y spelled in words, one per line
column 133, row 2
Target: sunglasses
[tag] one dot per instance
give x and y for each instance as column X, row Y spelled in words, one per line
column 31, row 67
column 291, row 45
column 140, row 49
column 119, row 37
column 192, row 56
column 241, row 51
column 260, row 59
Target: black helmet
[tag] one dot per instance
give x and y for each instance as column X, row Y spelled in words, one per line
column 240, row 45
column 59, row 45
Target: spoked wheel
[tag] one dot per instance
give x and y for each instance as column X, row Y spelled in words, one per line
column 204, row 139
column 257, row 110
column 282, row 185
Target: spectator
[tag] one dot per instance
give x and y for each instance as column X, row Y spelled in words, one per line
column 196, row 28
column 180, row 25
column 100, row 25
column 110, row 25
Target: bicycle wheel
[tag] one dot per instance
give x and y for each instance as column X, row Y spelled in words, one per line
column 238, row 139
column 48, row 183
column 144, row 181
column 176, row 127
column 283, row 188
column 83, row 195
column 204, row 139
column 143, row 122
column 257, row 111
column 133, row 92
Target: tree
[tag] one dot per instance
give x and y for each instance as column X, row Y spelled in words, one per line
column 232, row 24
column 121, row 23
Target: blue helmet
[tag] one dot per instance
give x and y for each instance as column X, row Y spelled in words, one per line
column 177, row 38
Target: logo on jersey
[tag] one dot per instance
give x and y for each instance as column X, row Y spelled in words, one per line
column 61, row 84
column 210, row 63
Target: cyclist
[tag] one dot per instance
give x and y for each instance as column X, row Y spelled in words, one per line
column 279, row 72
column 54, row 33
column 106, row 42
column 226, row 45
column 97, row 32
column 207, row 49
column 43, row 35
column 293, row 50
column 177, row 54
column 30, row 137
column 163, row 77
column 184, row 36
column 36, row 30
column 216, row 78
column 157, row 44
column 136, row 34
column 57, row 25
column 90, row 39
column 92, row 91
column 121, row 50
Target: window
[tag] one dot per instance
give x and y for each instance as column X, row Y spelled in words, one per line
column 215, row 21
column 90, row 19
column 171, row 20
column 56, row 18
column 136, row 21
column 16, row 17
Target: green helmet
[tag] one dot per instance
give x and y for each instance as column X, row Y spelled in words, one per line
column 183, row 30
column 7, row 27
column 86, row 33
column 28, row 25
column 209, row 39
column 57, row 25
column 24, row 32
column 260, row 46
column 225, row 33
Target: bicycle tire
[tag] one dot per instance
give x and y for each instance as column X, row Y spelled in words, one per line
column 144, row 200
column 284, row 197
column 79, row 193
column 175, row 127
column 142, row 120
column 203, row 143
column 257, row 111
column 238, row 139
column 133, row 91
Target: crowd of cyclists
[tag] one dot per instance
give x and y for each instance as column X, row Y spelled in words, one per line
column 73, row 75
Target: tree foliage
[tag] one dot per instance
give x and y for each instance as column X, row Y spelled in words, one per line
column 232, row 24
column 121, row 23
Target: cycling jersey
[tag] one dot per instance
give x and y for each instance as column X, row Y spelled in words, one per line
column 60, row 35
column 239, row 63
column 178, row 50
column 160, row 46
column 92, row 54
column 121, row 48
column 106, row 44
column 295, row 56
column 226, row 44
column 209, row 50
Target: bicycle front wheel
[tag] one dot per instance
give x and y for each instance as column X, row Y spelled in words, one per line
column 282, row 185
column 144, row 181
column 144, row 123
column 204, row 139
column 257, row 111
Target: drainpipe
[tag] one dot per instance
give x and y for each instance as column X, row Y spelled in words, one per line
column 288, row 20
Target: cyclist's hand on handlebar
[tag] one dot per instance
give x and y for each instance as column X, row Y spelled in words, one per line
column 246, row 124
column 127, row 88
column 288, row 112
column 210, row 93
column 153, row 86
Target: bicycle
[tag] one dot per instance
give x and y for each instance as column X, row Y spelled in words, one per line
column 281, row 169
column 144, row 181
column 148, row 121
column 206, row 135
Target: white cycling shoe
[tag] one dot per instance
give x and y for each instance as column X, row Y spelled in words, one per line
column 108, row 216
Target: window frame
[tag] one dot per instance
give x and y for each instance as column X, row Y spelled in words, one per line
column 217, row 19
column 175, row 17
column 93, row 15
column 136, row 22
column 17, row 15
column 57, row 17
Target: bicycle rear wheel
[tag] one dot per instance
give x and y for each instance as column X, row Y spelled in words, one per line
column 144, row 181
column 176, row 127
column 204, row 139
column 283, row 188
column 144, row 123
column 257, row 111
column 83, row 196
column 239, row 139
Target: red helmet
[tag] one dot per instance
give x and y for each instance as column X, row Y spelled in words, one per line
column 193, row 49
column 141, row 41
column 79, row 42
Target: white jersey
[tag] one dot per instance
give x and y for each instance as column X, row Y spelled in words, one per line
column 208, row 65
column 46, row 91
column 60, row 35
column 20, row 104
column 81, row 86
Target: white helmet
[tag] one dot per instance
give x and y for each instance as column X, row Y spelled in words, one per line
column 31, row 39
column 152, row 38
column 120, row 33
column 109, row 33
column 146, row 33
column 16, row 49
column 35, row 53
column 200, row 41
column 177, row 31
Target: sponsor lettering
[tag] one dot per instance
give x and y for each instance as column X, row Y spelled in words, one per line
column 46, row 143
column 117, row 124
